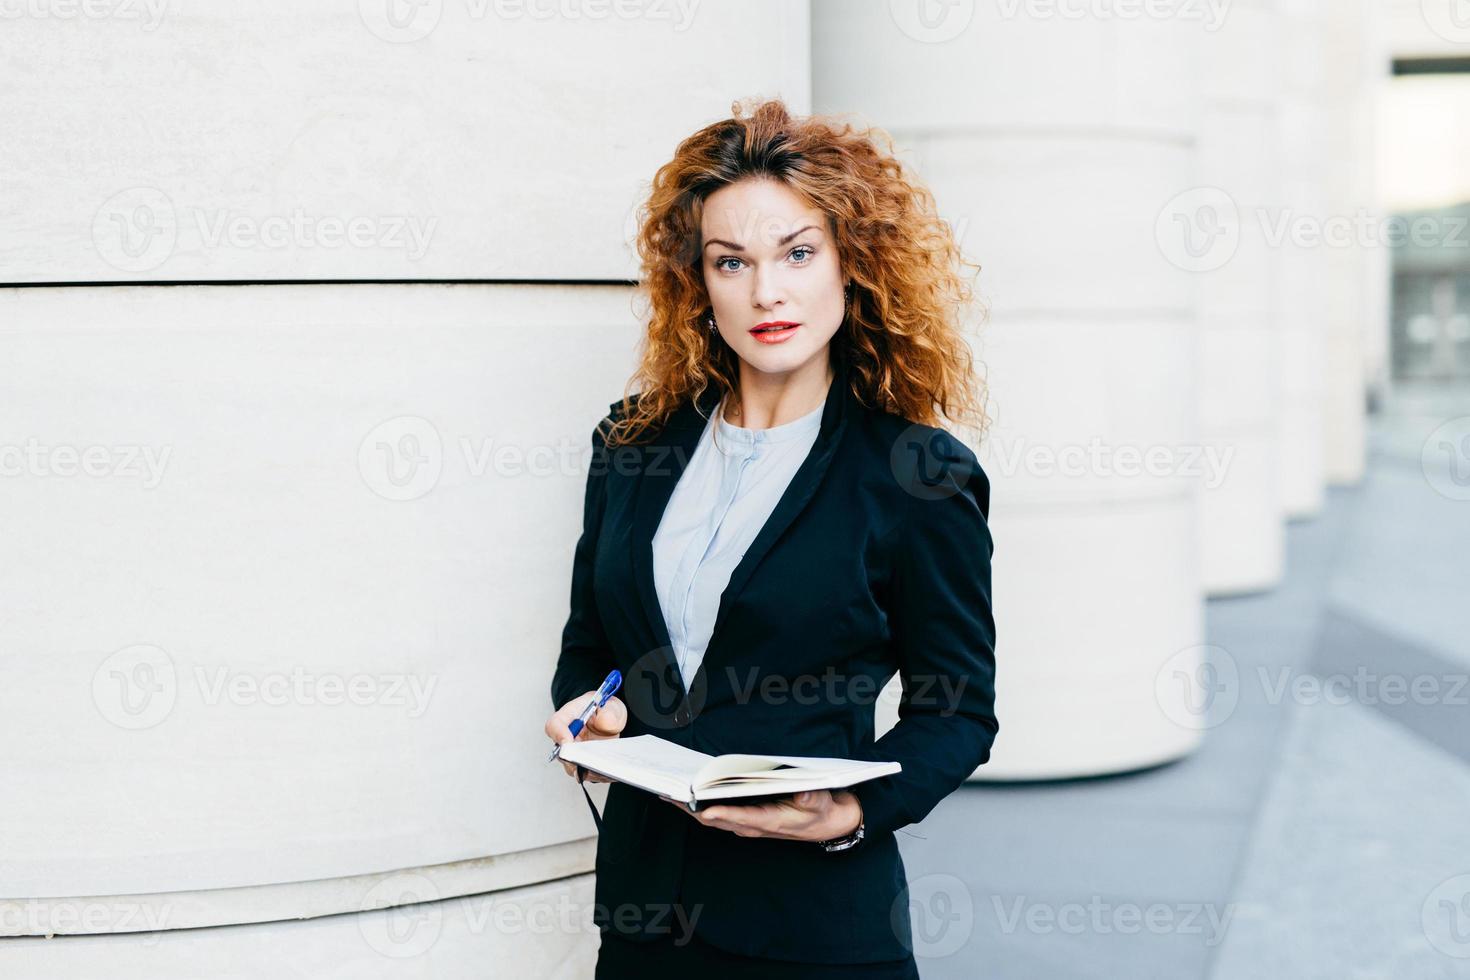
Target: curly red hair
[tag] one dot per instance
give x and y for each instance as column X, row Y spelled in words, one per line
column 901, row 335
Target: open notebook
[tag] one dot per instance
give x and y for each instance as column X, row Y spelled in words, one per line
column 691, row 777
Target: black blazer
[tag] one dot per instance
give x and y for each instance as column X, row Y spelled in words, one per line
column 876, row 559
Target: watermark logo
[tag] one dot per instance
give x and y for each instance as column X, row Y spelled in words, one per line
column 930, row 463
column 136, row 687
column 654, row 693
column 400, row 21
column 1208, row 464
column 1445, row 917
column 832, row 687
column 402, row 916
column 1198, row 687
column 148, row 12
column 402, row 458
column 1209, row 13
column 406, row 21
column 128, row 462
column 227, row 229
column 58, row 917
column 1445, row 459
column 1199, row 230
column 941, row 915
column 135, row 230
column 932, row 21
column 139, row 229
column 1101, row 917
column 299, row 686
column 1450, row 19
column 1364, row 687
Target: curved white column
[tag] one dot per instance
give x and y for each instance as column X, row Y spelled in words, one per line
column 1350, row 296
column 1306, row 204
column 1242, row 537
column 1053, row 146
column 407, row 929
column 281, row 602
column 297, row 622
column 364, row 139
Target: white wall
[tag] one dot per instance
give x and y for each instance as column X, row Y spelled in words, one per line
column 494, row 147
column 319, row 504
column 267, row 538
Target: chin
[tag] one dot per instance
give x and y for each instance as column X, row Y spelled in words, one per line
column 781, row 360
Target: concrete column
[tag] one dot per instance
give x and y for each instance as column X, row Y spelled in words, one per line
column 1298, row 226
column 1053, row 143
column 1240, row 346
column 1349, row 295
column 281, row 603
column 1378, row 260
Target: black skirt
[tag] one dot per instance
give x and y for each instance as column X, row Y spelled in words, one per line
column 676, row 956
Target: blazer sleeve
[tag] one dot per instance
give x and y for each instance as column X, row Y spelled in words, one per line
column 943, row 634
column 586, row 656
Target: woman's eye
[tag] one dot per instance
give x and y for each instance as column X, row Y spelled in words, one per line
column 720, row 263
column 802, row 248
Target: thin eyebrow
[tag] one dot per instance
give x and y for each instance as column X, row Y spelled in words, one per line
column 741, row 248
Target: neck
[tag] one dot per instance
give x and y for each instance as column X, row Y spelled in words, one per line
column 767, row 400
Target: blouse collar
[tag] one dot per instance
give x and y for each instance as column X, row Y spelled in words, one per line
column 736, row 435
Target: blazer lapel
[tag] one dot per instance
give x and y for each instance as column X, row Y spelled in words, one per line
column 656, row 485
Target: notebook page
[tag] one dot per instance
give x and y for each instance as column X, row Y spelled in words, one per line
column 735, row 764
column 729, row 768
column 798, row 774
column 646, row 761
column 793, row 781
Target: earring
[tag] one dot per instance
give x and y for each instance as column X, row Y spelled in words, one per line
column 711, row 321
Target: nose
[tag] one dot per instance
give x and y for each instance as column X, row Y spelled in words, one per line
column 767, row 291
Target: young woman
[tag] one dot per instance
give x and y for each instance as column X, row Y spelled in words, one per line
column 774, row 525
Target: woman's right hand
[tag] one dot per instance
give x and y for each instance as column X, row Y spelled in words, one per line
column 606, row 722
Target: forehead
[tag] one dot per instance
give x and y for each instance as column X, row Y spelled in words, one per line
column 757, row 212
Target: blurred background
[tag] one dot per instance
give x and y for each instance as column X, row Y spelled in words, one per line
column 307, row 310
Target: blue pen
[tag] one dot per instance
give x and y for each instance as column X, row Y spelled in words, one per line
column 611, row 684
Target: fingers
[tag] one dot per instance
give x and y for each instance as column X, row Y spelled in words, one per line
column 558, row 723
column 788, row 819
column 609, row 720
column 588, row 776
column 738, row 820
column 557, row 726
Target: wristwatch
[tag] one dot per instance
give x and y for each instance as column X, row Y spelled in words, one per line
column 843, row 843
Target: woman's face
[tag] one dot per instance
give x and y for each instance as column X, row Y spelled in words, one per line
column 768, row 258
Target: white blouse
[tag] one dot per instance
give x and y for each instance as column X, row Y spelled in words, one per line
column 718, row 506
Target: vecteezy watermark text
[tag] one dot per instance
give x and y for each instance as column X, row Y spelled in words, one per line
column 127, row 462
column 148, row 12
column 138, row 686
column 140, row 228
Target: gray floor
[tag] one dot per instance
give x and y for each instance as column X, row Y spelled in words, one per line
column 1310, row 836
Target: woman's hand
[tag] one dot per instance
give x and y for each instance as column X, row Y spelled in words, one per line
column 606, row 722
column 812, row 816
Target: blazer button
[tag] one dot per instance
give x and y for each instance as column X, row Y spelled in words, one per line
column 683, row 716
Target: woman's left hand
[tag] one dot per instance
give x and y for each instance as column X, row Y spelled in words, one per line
column 811, row 816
